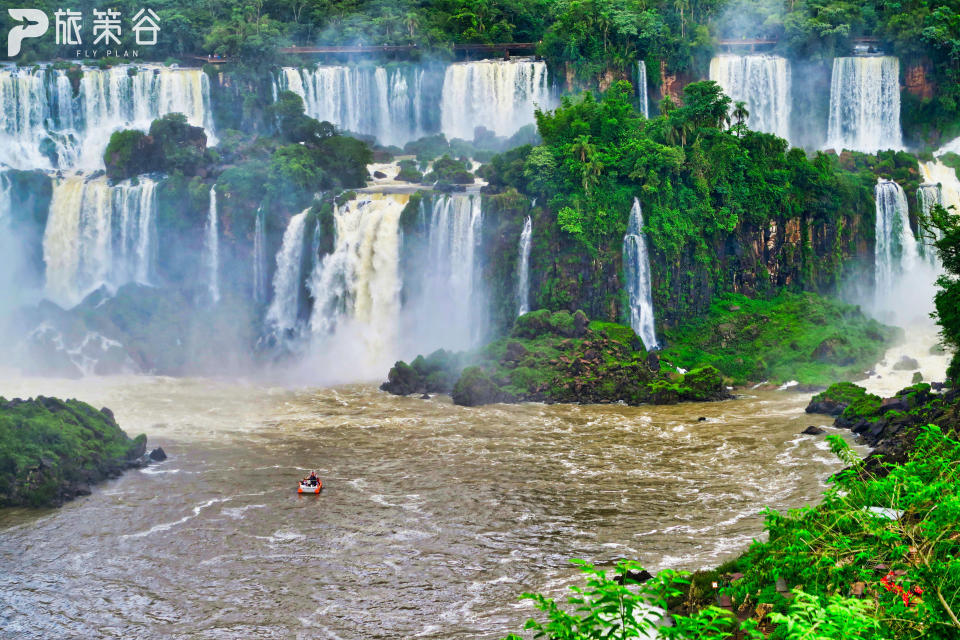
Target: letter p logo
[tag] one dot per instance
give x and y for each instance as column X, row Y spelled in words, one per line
column 37, row 27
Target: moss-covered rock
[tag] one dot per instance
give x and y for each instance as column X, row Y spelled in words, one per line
column 794, row 336
column 52, row 450
column 556, row 357
column 836, row 398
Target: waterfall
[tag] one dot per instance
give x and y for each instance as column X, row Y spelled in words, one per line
column 356, row 288
column 896, row 247
column 6, row 198
column 936, row 172
column 523, row 267
column 449, row 311
column 259, row 259
column 763, row 83
column 97, row 235
column 367, row 100
column 45, row 124
column 211, row 249
column 865, row 104
column 928, row 195
column 642, row 96
column 496, row 94
column 284, row 310
column 636, row 271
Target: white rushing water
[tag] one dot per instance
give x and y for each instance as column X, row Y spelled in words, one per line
column 45, row 124
column 284, row 309
column 904, row 284
column 497, row 94
column 928, row 196
column 387, row 104
column 6, row 198
column 636, row 271
column 356, row 290
column 865, row 104
column 259, row 259
column 211, row 249
column 763, row 83
column 642, row 91
column 450, row 310
column 97, row 235
column 523, row 268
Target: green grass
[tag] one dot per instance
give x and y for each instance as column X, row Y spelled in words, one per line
column 795, row 336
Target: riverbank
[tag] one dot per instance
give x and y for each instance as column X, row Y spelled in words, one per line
column 52, row 451
column 876, row 558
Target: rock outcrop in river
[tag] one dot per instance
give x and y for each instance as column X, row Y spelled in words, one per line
column 556, row 357
column 52, row 450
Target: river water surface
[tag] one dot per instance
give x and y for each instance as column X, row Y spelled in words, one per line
column 434, row 518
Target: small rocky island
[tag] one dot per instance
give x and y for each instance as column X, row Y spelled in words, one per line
column 556, row 357
column 52, row 450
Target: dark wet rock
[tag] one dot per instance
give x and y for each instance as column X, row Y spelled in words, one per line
column 158, row 454
column 894, row 404
column 425, row 396
column 653, row 361
column 637, row 576
column 580, row 324
column 836, row 398
column 402, row 380
column 379, row 175
column 514, row 352
column 701, row 419
column 813, row 431
column 906, row 363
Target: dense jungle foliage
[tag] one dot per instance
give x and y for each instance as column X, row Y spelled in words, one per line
column 697, row 171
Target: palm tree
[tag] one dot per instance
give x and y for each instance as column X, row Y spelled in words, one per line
column 740, row 115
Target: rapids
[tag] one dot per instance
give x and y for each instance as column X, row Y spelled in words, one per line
column 433, row 519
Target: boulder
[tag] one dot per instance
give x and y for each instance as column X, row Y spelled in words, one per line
column 813, row 431
column 514, row 351
column 917, row 378
column 475, row 388
column 158, row 454
column 402, row 380
column 379, row 175
column 897, row 403
column 580, row 324
column 906, row 363
column 653, row 361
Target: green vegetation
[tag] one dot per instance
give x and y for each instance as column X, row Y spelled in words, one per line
column 801, row 337
column 50, row 449
column 171, row 146
column 558, row 357
column 877, row 560
column 944, row 229
column 447, row 172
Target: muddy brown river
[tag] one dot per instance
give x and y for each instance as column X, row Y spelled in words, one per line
column 433, row 520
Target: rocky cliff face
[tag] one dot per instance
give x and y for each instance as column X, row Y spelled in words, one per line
column 917, row 82
column 785, row 253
